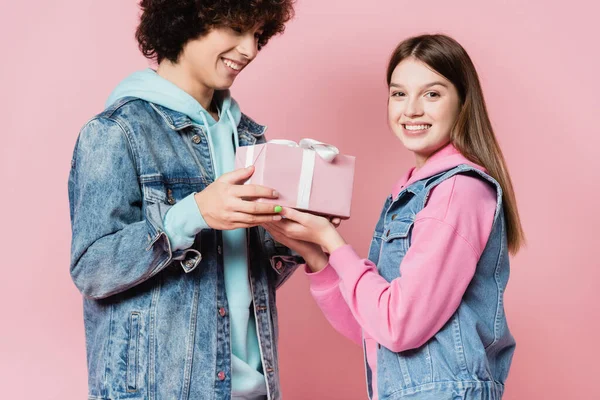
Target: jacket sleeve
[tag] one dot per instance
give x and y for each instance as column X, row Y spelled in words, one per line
column 282, row 260
column 118, row 241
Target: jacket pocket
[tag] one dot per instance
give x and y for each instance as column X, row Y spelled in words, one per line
column 132, row 351
column 157, row 189
column 395, row 242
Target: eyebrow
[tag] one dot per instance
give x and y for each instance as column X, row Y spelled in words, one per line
column 397, row 85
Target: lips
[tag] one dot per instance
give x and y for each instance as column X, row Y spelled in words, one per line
column 416, row 127
column 233, row 65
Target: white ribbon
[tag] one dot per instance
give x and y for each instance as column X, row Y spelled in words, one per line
column 327, row 152
column 311, row 148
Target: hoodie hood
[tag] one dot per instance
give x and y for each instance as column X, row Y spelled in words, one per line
column 149, row 86
column 445, row 159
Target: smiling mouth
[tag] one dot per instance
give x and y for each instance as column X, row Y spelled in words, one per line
column 232, row 64
column 416, row 128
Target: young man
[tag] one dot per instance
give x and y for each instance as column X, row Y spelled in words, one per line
column 177, row 275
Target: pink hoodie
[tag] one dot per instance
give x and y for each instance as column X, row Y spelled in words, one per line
column 448, row 237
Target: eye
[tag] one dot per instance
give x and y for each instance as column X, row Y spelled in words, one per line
column 260, row 40
column 397, row 94
column 432, row 94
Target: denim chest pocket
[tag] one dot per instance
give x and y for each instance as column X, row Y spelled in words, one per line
column 395, row 241
column 157, row 189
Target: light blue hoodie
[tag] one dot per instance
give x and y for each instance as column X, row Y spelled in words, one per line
column 184, row 221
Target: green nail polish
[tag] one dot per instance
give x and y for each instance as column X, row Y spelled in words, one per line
column 278, row 209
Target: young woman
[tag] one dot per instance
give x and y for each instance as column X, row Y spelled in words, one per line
column 428, row 302
column 179, row 282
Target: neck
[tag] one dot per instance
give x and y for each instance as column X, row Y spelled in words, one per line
column 421, row 158
column 182, row 77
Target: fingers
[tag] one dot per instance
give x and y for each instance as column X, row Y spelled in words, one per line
column 294, row 215
column 277, row 226
column 253, row 191
column 248, row 220
column 335, row 221
column 269, row 226
column 274, row 228
column 237, row 177
column 256, row 208
column 288, row 228
column 304, row 218
column 238, row 189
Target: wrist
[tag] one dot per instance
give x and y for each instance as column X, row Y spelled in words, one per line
column 198, row 198
column 317, row 261
column 202, row 209
column 332, row 240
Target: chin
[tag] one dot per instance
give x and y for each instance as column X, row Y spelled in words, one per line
column 422, row 149
column 223, row 86
column 416, row 145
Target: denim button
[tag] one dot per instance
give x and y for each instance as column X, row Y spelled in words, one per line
column 394, row 216
column 387, row 233
column 221, row 376
column 196, row 139
column 222, row 312
column 189, row 263
column 170, row 198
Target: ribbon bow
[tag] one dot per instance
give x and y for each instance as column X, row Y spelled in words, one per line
column 327, row 152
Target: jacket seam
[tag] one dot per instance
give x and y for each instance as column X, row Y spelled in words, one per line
column 470, row 383
column 130, row 144
column 456, row 232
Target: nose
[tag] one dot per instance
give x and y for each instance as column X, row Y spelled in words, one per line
column 248, row 46
column 414, row 108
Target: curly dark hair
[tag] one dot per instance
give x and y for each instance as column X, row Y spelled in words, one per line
column 167, row 25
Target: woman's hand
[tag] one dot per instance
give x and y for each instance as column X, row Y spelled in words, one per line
column 226, row 203
column 310, row 228
column 312, row 253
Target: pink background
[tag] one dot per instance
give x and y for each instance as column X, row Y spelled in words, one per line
column 324, row 78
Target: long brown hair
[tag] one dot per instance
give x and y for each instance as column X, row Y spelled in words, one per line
column 472, row 133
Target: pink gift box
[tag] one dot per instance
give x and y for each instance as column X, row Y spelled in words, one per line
column 280, row 167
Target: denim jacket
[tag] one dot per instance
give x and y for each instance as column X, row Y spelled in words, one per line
column 470, row 356
column 156, row 320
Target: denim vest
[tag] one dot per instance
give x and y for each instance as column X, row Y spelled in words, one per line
column 156, row 320
column 470, row 356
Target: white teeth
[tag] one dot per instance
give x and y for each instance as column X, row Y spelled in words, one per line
column 416, row 127
column 232, row 65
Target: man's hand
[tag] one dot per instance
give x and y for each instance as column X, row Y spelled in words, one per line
column 226, row 203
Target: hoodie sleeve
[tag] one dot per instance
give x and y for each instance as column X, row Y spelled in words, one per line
column 183, row 222
column 448, row 237
column 325, row 289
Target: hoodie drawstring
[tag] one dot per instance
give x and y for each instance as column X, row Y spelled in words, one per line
column 211, row 146
column 236, row 135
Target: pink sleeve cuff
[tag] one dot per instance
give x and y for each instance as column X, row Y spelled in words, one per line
column 345, row 262
column 322, row 280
